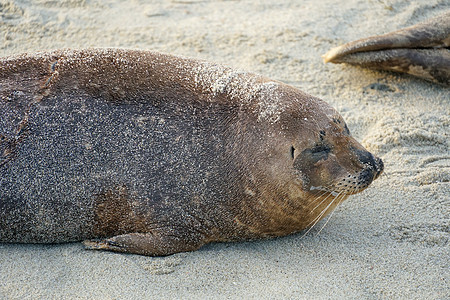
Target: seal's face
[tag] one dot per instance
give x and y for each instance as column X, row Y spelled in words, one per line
column 335, row 162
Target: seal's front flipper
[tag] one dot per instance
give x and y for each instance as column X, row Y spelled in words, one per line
column 145, row 244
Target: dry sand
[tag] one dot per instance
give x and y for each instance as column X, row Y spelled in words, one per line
column 391, row 241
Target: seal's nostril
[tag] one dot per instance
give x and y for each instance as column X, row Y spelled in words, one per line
column 373, row 165
column 379, row 166
column 367, row 159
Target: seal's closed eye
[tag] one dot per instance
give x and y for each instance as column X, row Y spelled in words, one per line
column 321, row 148
column 320, row 151
column 292, row 152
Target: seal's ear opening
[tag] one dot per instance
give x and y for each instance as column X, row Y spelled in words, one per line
column 292, row 152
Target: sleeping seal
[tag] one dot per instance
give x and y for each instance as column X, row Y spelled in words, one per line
column 148, row 153
column 421, row 50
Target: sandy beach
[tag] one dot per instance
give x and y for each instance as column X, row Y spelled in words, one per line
column 389, row 242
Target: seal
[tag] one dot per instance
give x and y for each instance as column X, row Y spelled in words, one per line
column 421, row 50
column 148, row 153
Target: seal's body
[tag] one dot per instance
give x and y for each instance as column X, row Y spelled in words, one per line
column 421, row 50
column 148, row 153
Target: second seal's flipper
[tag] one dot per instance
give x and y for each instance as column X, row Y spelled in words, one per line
column 421, row 50
column 144, row 244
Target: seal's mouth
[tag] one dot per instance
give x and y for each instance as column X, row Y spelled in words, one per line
column 356, row 183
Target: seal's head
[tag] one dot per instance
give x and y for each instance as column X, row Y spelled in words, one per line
column 331, row 165
column 312, row 164
column 331, row 160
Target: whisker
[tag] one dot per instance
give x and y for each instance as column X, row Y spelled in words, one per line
column 320, row 195
column 317, row 197
column 329, row 205
column 323, row 192
column 339, row 202
column 320, row 202
column 317, row 219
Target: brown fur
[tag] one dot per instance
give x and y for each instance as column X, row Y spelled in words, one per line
column 148, row 153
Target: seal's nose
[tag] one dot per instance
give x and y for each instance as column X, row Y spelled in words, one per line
column 373, row 168
column 374, row 163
